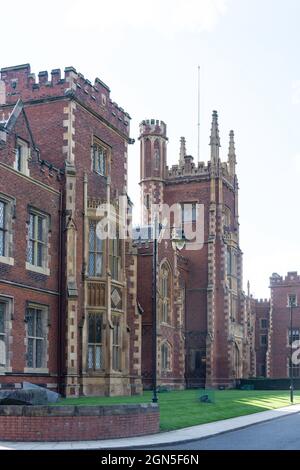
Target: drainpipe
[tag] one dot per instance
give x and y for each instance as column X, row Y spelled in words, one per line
column 108, row 290
column 60, row 332
column 82, row 366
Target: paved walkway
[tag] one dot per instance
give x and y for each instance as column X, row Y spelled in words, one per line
column 164, row 438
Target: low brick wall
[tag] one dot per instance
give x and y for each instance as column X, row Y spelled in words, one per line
column 76, row 423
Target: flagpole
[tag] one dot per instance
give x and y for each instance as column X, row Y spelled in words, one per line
column 198, row 125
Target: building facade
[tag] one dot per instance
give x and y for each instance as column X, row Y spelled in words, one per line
column 68, row 312
column 76, row 306
column 284, row 326
column 203, row 314
column 262, row 322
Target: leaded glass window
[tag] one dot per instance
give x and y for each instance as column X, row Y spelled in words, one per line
column 37, row 240
column 264, row 323
column 36, row 337
column 3, row 209
column 165, row 357
column 294, row 335
column 156, row 159
column 229, row 263
column 188, row 216
column 95, row 251
column 165, row 294
column 95, row 347
column 3, row 307
column 19, row 157
column 263, row 340
column 22, row 154
column 116, row 344
column 115, row 257
column 292, row 300
column 99, row 159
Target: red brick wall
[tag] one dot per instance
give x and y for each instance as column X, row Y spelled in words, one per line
column 185, row 186
column 279, row 350
column 15, row 281
column 262, row 311
column 175, row 377
column 45, row 102
column 70, row 423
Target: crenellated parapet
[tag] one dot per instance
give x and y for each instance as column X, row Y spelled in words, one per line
column 189, row 168
column 262, row 302
column 202, row 170
column 153, row 127
column 291, row 278
column 18, row 82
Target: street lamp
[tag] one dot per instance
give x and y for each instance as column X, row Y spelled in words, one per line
column 291, row 355
column 154, row 309
column 178, row 241
column 292, row 305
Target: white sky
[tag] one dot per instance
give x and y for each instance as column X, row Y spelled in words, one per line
column 148, row 53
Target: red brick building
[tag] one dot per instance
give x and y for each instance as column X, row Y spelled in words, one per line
column 262, row 322
column 203, row 325
column 68, row 311
column 285, row 291
column 75, row 309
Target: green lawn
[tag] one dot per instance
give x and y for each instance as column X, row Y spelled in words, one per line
column 181, row 409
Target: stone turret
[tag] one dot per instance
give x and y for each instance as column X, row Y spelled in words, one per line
column 153, row 154
column 231, row 155
column 182, row 152
column 214, row 140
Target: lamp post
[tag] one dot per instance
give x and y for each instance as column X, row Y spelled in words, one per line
column 292, row 305
column 154, row 310
column 178, row 241
column 291, row 355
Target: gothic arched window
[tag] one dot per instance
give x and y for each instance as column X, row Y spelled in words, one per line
column 165, row 293
column 227, row 217
column 165, row 356
column 156, row 155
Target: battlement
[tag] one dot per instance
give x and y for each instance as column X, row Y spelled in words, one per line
column 19, row 82
column 153, row 127
column 292, row 277
column 188, row 169
column 263, row 301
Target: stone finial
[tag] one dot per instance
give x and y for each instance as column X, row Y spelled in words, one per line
column 231, row 154
column 214, row 139
column 182, row 152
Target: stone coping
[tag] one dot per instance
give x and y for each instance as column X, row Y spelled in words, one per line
column 77, row 410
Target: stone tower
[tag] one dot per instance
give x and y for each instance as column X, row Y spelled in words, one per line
column 153, row 139
column 207, row 294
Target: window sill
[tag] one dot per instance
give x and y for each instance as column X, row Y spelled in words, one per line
column 7, row 260
column 5, row 370
column 95, row 278
column 117, row 283
column 37, row 269
column 95, row 373
column 99, row 174
column 32, row 370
